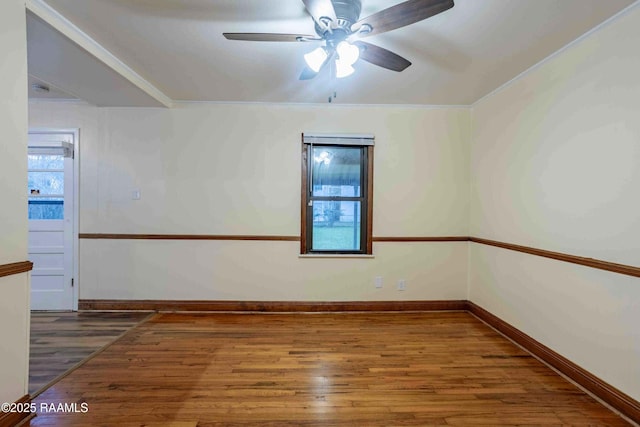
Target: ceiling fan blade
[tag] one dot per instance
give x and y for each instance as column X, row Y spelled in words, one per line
column 381, row 57
column 270, row 37
column 402, row 14
column 319, row 9
column 307, row 74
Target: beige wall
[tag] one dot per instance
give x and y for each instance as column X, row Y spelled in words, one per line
column 552, row 161
column 268, row 271
column 555, row 164
column 13, row 116
column 14, row 290
column 14, row 327
column 235, row 169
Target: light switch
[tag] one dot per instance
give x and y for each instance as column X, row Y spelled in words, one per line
column 135, row 195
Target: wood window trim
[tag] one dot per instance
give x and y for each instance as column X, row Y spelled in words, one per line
column 369, row 242
column 303, row 200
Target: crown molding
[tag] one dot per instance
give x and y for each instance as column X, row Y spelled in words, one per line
column 552, row 56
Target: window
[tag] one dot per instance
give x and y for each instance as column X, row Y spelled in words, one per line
column 46, row 186
column 46, row 178
column 337, row 175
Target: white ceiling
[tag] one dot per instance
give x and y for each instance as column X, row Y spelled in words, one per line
column 53, row 92
column 70, row 72
column 177, row 46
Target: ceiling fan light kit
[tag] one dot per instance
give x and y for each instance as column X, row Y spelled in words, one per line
column 316, row 58
column 343, row 69
column 346, row 55
column 339, row 28
column 347, row 52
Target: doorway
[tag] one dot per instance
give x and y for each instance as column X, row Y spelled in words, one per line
column 52, row 190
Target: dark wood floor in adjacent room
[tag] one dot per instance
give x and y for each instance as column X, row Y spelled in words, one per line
column 356, row 369
column 59, row 341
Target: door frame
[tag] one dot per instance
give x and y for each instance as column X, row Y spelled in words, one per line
column 76, row 203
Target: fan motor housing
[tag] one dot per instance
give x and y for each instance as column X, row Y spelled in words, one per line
column 347, row 13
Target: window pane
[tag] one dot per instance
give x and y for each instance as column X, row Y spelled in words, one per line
column 45, row 161
column 336, row 225
column 336, row 171
column 46, row 183
column 46, row 208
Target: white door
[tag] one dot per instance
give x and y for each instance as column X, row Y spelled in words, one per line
column 51, row 191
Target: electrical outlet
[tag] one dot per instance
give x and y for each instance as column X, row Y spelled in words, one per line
column 402, row 285
column 377, row 281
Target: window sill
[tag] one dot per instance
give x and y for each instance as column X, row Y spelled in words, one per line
column 365, row 256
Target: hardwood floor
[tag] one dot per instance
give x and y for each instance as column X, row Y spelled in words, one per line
column 59, row 341
column 361, row 369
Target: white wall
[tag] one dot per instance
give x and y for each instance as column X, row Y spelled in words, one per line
column 14, row 290
column 235, row 169
column 555, row 164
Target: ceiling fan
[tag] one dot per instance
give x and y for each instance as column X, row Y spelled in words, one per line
column 340, row 31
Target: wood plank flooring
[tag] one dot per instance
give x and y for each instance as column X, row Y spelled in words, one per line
column 59, row 341
column 356, row 369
